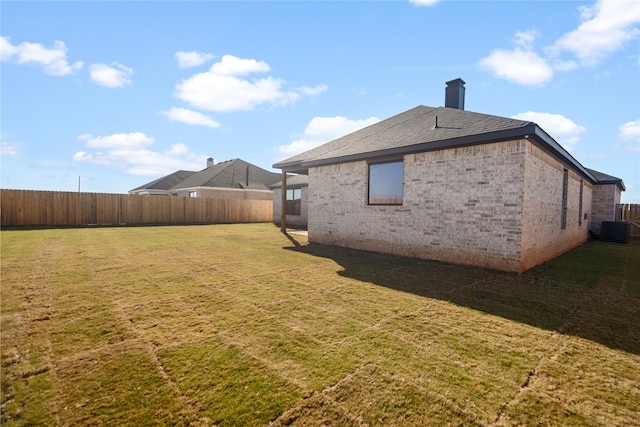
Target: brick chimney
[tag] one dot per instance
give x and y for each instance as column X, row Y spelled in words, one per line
column 454, row 94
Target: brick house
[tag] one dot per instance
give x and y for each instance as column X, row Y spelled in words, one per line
column 231, row 179
column 447, row 184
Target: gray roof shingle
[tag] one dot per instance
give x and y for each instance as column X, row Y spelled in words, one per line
column 231, row 174
column 413, row 128
column 603, row 178
column 166, row 182
column 415, row 131
column 228, row 174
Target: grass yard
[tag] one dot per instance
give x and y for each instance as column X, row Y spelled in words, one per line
column 241, row 325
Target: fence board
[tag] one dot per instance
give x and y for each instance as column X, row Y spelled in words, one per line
column 49, row 208
column 631, row 213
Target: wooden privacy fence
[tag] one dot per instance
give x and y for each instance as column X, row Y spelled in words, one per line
column 630, row 213
column 47, row 208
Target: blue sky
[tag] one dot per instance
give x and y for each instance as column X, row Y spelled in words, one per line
column 117, row 94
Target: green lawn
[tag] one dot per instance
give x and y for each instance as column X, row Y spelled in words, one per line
column 241, row 325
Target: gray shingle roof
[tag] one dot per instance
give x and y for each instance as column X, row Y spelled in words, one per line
column 413, row 128
column 603, row 178
column 166, row 182
column 227, row 174
column 230, row 174
column 415, row 131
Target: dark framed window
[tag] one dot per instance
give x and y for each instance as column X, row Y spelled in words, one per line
column 385, row 183
column 294, row 201
column 580, row 205
column 565, row 194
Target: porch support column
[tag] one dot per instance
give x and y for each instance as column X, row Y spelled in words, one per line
column 283, row 207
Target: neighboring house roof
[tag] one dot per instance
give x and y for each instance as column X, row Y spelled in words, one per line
column 166, row 182
column 426, row 129
column 293, row 181
column 603, row 178
column 234, row 173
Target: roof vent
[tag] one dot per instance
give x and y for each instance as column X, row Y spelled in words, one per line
column 210, row 162
column 454, row 94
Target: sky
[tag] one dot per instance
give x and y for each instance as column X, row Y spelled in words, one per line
column 107, row 96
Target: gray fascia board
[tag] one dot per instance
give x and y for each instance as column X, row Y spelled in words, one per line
column 617, row 182
column 551, row 143
column 531, row 130
column 292, row 167
column 464, row 141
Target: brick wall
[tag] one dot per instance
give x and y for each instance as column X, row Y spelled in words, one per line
column 461, row 205
column 543, row 237
column 605, row 199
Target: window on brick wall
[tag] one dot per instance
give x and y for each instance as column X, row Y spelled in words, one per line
column 193, row 194
column 294, row 201
column 580, row 203
column 565, row 194
column 385, row 183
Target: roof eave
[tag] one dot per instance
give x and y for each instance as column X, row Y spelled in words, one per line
column 617, row 182
column 464, row 141
column 531, row 131
column 292, row 167
column 540, row 135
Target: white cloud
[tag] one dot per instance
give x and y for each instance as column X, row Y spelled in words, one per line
column 312, row 91
column 130, row 153
column 192, row 59
column 561, row 128
column 234, row 66
column 424, row 2
column 630, row 132
column 117, row 140
column 606, row 27
column 190, row 117
column 8, row 149
column 324, row 129
column 525, row 38
column 53, row 60
column 111, row 76
column 7, row 50
column 519, row 65
column 82, row 156
column 223, row 87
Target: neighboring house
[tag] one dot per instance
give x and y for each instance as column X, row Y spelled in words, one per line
column 296, row 205
column 452, row 185
column 232, row 179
